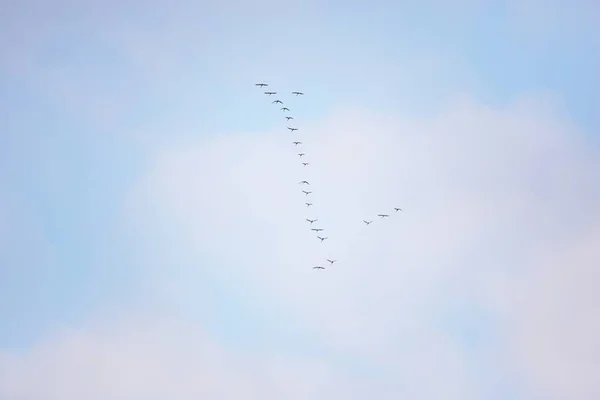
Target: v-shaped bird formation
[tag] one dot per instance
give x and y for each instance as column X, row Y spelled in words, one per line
column 305, row 183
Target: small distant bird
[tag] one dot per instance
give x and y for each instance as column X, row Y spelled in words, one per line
column 316, row 229
column 288, row 117
column 297, row 143
column 311, row 220
column 321, row 238
column 304, row 183
column 261, row 84
column 306, row 193
column 305, row 164
column 331, row 261
column 301, row 154
column 278, row 101
column 292, row 129
column 308, row 204
column 285, row 109
column 270, row 93
column 367, row 222
column 382, row 215
column 318, row 267
column 397, row 209
column 298, row 93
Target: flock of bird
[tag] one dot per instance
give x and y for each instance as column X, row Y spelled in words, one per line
column 306, row 164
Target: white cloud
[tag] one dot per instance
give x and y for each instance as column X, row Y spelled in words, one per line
column 485, row 194
column 551, row 321
column 153, row 360
column 489, row 196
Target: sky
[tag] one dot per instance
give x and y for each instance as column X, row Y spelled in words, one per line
column 153, row 240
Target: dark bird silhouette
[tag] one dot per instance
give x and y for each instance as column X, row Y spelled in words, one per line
column 316, row 229
column 331, row 261
column 261, row 84
column 397, row 209
column 318, row 267
column 306, row 193
column 297, row 143
column 367, row 222
column 305, row 164
column 270, row 93
column 278, row 101
column 383, row 215
column 301, row 154
column 298, row 93
column 304, row 182
column 321, row 238
column 285, row 109
column 308, row 204
column 288, row 117
column 311, row 220
column 292, row 129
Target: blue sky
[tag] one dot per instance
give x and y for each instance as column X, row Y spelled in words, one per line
column 106, row 108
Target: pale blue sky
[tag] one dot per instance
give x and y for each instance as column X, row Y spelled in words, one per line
column 91, row 95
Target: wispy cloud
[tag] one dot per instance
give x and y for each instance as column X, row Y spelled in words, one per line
column 484, row 193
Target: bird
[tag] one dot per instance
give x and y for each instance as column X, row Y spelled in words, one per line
column 298, row 93
column 308, row 204
column 316, row 229
column 397, row 209
column 306, row 193
column 331, row 261
column 304, row 182
column 311, row 220
column 321, row 238
column 278, row 101
column 305, row 164
column 382, row 215
column 318, row 267
column 292, row 129
column 367, row 222
column 285, row 109
column 297, row 143
column 270, row 93
column 301, row 154
column 261, row 84
column 288, row 117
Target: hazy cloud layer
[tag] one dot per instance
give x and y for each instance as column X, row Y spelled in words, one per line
column 137, row 359
column 501, row 215
column 482, row 288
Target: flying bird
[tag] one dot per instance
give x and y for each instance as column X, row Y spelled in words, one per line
column 382, row 215
column 292, row 129
column 278, row 101
column 285, row 109
column 261, row 84
column 321, row 238
column 367, row 222
column 308, row 204
column 331, row 261
column 270, row 93
column 288, row 117
column 297, row 143
column 305, row 164
column 316, row 229
column 306, row 193
column 298, row 93
column 311, row 220
column 397, row 209
column 304, row 182
column 301, row 154
column 318, row 267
